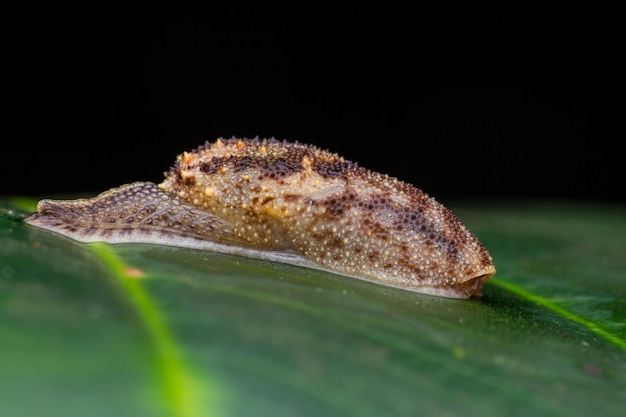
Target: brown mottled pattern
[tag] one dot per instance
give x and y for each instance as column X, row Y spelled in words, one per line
column 347, row 218
column 272, row 199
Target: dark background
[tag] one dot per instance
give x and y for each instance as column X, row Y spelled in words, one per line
column 105, row 97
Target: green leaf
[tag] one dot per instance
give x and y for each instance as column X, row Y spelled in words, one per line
column 140, row 330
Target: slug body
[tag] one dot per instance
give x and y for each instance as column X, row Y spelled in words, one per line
column 292, row 203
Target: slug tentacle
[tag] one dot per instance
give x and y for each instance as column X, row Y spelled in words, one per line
column 293, row 203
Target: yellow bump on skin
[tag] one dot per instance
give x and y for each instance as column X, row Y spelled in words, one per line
column 186, row 175
column 299, row 198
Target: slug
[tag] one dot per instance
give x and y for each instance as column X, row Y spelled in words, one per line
column 287, row 202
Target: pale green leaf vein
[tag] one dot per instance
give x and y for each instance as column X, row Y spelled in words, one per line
column 552, row 306
column 181, row 389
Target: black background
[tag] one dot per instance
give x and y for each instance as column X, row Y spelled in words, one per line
column 99, row 98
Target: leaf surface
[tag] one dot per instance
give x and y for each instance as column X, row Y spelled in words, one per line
column 140, row 330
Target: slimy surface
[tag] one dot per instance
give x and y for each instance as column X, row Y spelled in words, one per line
column 288, row 202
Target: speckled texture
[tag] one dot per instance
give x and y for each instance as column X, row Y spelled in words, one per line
column 282, row 196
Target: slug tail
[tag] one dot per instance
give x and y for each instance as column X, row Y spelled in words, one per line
column 137, row 212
